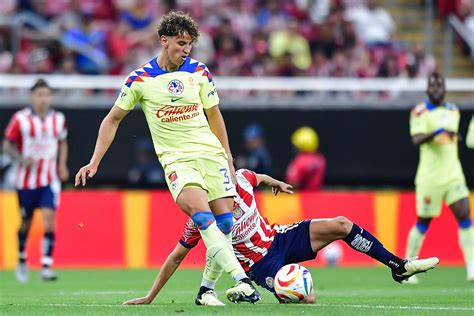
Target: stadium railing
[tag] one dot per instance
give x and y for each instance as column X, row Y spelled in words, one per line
column 101, row 91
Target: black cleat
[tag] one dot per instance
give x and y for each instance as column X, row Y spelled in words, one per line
column 413, row 266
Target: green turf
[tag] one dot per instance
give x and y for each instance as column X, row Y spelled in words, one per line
column 349, row 291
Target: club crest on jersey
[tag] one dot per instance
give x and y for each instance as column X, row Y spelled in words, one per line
column 173, row 177
column 269, row 282
column 237, row 212
column 175, row 87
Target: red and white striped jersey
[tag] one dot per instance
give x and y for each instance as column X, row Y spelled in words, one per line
column 252, row 235
column 37, row 139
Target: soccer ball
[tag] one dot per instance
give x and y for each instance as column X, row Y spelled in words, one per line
column 293, row 283
column 332, row 254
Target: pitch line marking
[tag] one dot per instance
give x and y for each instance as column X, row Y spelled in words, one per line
column 407, row 307
column 434, row 308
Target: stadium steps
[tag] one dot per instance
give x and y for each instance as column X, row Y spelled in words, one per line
column 409, row 18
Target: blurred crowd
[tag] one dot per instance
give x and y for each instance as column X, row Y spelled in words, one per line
column 335, row 38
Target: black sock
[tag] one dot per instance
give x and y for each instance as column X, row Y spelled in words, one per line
column 246, row 280
column 48, row 248
column 22, row 237
column 362, row 241
column 203, row 289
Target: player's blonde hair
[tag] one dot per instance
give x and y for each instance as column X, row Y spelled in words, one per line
column 176, row 23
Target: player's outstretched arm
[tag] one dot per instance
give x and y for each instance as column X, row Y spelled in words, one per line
column 108, row 129
column 277, row 186
column 169, row 267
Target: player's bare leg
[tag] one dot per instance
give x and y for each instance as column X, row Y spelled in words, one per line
column 324, row 231
column 47, row 274
column 193, row 201
column 21, row 271
column 461, row 211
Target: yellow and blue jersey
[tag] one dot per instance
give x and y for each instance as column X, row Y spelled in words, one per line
column 173, row 104
column 439, row 162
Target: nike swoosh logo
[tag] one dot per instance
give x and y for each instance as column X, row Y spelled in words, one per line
column 176, row 99
column 228, row 189
column 212, row 257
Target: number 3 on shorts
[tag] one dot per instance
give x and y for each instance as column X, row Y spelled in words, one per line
column 225, row 173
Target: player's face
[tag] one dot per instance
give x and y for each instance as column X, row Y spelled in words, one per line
column 41, row 99
column 436, row 89
column 178, row 48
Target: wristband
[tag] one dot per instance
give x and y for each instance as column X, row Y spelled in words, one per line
column 438, row 131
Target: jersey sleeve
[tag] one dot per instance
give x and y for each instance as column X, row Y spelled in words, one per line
column 208, row 92
column 129, row 95
column 418, row 121
column 250, row 176
column 191, row 236
column 13, row 131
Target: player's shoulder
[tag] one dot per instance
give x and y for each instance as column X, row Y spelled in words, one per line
column 419, row 109
column 196, row 67
column 451, row 106
column 22, row 113
column 58, row 113
column 149, row 69
column 246, row 176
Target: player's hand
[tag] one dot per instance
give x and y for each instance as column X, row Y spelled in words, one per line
column 86, row 172
column 138, row 301
column 63, row 172
column 232, row 170
column 281, row 186
column 451, row 134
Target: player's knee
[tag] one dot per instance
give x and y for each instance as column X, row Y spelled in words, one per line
column 203, row 219
column 49, row 225
column 225, row 222
column 343, row 225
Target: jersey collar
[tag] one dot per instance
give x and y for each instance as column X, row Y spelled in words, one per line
column 431, row 107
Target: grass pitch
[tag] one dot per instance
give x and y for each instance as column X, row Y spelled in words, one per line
column 341, row 291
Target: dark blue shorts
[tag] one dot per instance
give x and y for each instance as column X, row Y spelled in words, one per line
column 292, row 244
column 36, row 198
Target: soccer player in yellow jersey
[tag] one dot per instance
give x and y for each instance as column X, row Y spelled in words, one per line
column 434, row 128
column 180, row 103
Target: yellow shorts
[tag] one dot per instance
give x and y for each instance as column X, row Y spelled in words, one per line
column 209, row 173
column 429, row 199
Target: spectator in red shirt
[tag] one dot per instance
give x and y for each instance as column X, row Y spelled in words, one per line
column 306, row 171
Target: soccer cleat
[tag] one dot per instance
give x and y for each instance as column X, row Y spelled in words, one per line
column 21, row 273
column 47, row 274
column 412, row 280
column 470, row 272
column 413, row 266
column 208, row 298
column 243, row 292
